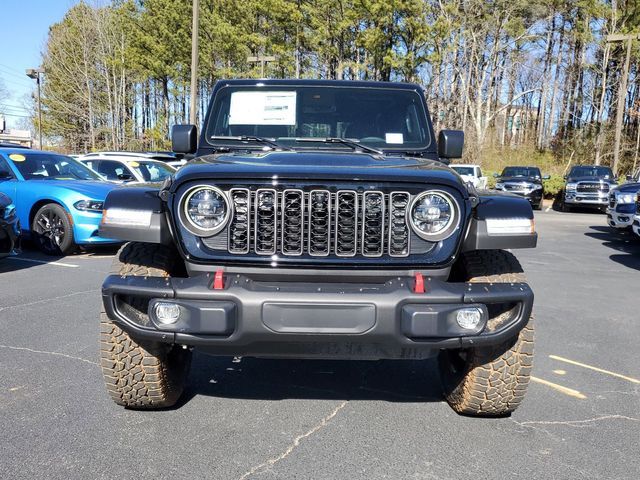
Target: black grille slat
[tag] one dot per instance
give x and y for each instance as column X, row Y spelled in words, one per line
column 373, row 225
column 239, row 229
column 266, row 222
column 319, row 223
column 292, row 221
column 398, row 227
column 346, row 223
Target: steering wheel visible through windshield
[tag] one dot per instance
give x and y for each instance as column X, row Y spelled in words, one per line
column 51, row 166
column 391, row 119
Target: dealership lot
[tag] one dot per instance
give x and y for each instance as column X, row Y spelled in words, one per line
column 267, row 419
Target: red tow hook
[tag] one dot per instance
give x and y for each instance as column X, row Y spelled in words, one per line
column 218, row 280
column 419, row 286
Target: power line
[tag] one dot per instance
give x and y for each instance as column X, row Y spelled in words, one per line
column 14, row 115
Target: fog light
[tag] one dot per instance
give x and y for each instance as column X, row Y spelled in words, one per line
column 469, row 318
column 168, row 313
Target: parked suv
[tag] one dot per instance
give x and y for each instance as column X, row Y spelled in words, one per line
column 588, row 186
column 319, row 219
column 523, row 181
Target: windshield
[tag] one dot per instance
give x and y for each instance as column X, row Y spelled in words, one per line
column 50, row 166
column 591, row 172
column 464, row 170
column 388, row 118
column 521, row 172
column 152, row 171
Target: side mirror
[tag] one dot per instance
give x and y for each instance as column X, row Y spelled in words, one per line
column 5, row 175
column 546, row 177
column 450, row 143
column 184, row 138
column 125, row 176
column 629, row 178
column 496, row 175
column 566, row 177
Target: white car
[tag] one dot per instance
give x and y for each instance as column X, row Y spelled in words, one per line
column 471, row 174
column 636, row 225
column 124, row 167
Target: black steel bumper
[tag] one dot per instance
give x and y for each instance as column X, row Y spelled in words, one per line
column 318, row 320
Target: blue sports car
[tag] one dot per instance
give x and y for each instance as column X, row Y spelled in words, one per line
column 58, row 200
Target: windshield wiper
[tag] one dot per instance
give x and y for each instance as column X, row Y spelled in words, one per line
column 343, row 141
column 252, row 138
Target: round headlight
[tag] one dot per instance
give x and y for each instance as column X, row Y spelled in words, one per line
column 434, row 215
column 205, row 210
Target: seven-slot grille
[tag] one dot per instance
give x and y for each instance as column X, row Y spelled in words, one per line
column 592, row 187
column 318, row 223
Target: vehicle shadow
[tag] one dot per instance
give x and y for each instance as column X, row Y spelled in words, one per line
column 30, row 256
column 275, row 379
column 624, row 241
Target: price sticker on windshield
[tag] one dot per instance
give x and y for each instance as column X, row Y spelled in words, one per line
column 16, row 157
column 262, row 108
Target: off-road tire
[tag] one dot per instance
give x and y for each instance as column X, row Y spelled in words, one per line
column 137, row 374
column 489, row 381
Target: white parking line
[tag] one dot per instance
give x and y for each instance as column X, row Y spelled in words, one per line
column 42, row 262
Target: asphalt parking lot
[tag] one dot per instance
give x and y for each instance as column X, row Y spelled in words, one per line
column 266, row 419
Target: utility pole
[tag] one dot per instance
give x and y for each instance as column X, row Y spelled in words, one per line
column 34, row 73
column 622, row 93
column 262, row 59
column 194, row 63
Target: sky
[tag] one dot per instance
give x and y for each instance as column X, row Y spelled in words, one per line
column 24, row 25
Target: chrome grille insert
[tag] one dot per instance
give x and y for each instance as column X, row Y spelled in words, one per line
column 266, row 222
column 346, row 222
column 399, row 234
column 238, row 237
column 292, row 221
column 319, row 223
column 373, row 213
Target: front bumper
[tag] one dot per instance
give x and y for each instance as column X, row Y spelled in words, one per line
column 534, row 196
column 635, row 226
column 599, row 199
column 619, row 220
column 318, row 320
column 9, row 236
column 85, row 229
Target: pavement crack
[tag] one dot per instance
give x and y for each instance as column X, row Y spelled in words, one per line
column 57, row 354
column 296, row 442
column 578, row 423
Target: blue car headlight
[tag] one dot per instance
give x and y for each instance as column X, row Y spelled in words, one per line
column 89, row 205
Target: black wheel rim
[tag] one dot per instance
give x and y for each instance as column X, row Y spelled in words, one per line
column 50, row 229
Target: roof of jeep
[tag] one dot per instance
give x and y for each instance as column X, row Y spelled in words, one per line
column 322, row 83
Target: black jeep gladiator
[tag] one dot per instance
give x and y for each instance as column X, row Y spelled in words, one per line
column 318, row 219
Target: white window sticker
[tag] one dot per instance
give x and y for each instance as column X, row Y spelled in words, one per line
column 262, row 108
column 396, row 138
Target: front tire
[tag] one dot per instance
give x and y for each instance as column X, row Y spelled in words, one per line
column 53, row 231
column 489, row 381
column 138, row 374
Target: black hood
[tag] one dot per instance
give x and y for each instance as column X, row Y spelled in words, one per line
column 320, row 165
column 629, row 188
